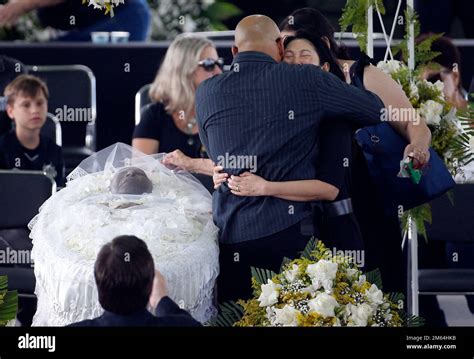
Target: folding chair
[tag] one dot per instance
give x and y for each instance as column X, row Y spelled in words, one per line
column 450, row 224
column 22, row 194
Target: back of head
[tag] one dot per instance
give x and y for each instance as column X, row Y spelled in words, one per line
column 124, row 272
column 258, row 33
column 314, row 21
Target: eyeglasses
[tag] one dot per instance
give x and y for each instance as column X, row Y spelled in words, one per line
column 210, row 64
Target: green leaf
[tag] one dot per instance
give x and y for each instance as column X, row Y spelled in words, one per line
column 222, row 11
column 262, row 275
column 230, row 313
column 310, row 247
column 284, row 263
column 9, row 307
column 375, row 277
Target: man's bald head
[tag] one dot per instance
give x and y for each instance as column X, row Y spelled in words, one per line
column 258, row 33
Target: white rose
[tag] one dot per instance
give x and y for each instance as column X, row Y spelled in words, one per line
column 352, row 273
column 359, row 314
column 323, row 304
column 390, row 66
column 374, row 295
column 439, row 86
column 291, row 274
column 413, row 90
column 269, row 295
column 286, row 316
column 362, row 279
column 322, row 273
column 431, row 111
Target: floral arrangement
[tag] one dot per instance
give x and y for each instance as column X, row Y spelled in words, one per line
column 451, row 129
column 8, row 302
column 317, row 290
column 108, row 5
column 171, row 17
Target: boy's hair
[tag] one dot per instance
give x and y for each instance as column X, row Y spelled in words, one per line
column 26, row 85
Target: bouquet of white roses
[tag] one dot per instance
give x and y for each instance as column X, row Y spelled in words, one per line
column 319, row 289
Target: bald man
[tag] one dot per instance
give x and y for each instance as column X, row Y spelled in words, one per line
column 267, row 113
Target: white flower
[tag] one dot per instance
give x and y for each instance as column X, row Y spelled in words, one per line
column 352, row 273
column 286, row 316
column 390, row 66
column 323, row 304
column 292, row 274
column 359, row 314
column 322, row 273
column 431, row 112
column 413, row 90
column 374, row 295
column 270, row 292
column 361, row 280
column 439, row 86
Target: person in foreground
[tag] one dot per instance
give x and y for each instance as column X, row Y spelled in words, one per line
column 249, row 112
column 127, row 283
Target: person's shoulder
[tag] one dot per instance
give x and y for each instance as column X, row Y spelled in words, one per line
column 50, row 145
column 84, row 323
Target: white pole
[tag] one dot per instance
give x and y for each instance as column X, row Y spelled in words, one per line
column 370, row 32
column 411, row 37
column 413, row 266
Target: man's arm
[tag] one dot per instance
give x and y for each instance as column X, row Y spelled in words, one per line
column 339, row 100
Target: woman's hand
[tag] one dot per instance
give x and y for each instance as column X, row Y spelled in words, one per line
column 217, row 177
column 419, row 153
column 248, row 184
column 179, row 159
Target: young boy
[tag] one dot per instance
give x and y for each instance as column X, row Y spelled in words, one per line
column 23, row 147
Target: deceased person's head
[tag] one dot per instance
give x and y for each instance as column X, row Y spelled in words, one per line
column 131, row 180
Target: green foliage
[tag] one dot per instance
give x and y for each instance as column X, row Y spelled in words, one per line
column 375, row 277
column 262, row 275
column 420, row 215
column 354, row 16
column 8, row 302
column 230, row 313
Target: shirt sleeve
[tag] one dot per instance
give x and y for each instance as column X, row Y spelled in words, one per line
column 335, row 152
column 149, row 126
column 340, row 100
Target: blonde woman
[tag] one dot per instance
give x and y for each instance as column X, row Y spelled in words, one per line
column 168, row 124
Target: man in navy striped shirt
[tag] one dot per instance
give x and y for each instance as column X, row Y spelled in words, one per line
column 263, row 116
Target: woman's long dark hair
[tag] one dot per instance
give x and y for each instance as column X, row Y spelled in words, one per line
column 324, row 53
column 314, row 21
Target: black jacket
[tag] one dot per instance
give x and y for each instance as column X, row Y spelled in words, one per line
column 168, row 314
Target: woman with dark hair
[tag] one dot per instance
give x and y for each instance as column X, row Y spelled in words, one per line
column 381, row 234
column 337, row 224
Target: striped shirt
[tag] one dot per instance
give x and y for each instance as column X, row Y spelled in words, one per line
column 263, row 117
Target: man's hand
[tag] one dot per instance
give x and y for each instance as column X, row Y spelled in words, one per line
column 159, row 290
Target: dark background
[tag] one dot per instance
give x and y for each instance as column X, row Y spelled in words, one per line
column 116, row 88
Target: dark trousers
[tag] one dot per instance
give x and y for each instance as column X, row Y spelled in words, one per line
column 234, row 281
